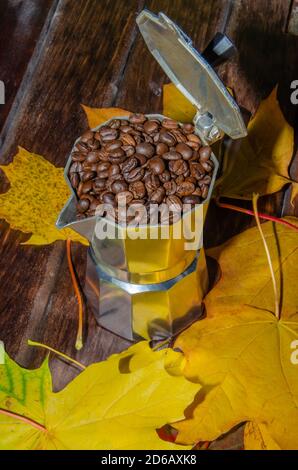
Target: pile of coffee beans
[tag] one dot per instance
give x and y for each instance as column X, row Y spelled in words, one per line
column 140, row 160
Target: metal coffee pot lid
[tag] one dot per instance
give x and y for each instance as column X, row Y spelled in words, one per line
column 217, row 111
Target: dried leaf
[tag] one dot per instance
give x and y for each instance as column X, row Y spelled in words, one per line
column 241, row 353
column 97, row 116
column 257, row 437
column 115, row 404
column 36, row 195
column 176, row 106
column 259, row 162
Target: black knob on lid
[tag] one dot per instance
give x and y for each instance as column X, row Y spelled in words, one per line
column 219, row 49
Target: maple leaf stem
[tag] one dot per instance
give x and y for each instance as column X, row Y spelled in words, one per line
column 276, row 300
column 24, row 419
column 79, row 339
column 260, row 214
column 59, row 353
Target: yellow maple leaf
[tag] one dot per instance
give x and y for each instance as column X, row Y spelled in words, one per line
column 241, row 353
column 259, row 162
column 176, row 106
column 257, row 437
column 36, row 195
column 97, row 116
column 115, row 404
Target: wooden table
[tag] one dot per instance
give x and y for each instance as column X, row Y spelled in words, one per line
column 57, row 54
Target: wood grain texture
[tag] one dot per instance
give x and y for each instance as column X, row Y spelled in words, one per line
column 21, row 23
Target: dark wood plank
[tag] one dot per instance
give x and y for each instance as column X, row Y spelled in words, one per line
column 20, row 25
column 258, row 31
column 79, row 60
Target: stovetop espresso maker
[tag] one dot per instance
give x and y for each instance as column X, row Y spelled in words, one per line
column 144, row 286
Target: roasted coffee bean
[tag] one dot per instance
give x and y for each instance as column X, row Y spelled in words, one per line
column 196, row 170
column 75, row 167
column 103, row 174
column 88, row 135
column 170, row 124
column 158, row 195
column 103, row 166
column 114, row 169
column 94, row 145
column 116, row 177
column 109, row 136
column 152, row 182
column 184, row 150
column 188, row 128
column 84, row 188
column 99, row 184
column 191, row 179
column 88, row 175
column 194, row 138
column 179, row 179
column 124, row 197
column 205, row 153
column 103, row 155
column 126, row 129
column 156, row 137
column 191, row 199
column 205, row 180
column 115, row 124
column 195, row 156
column 117, row 158
column 94, row 205
column 134, row 175
column 93, row 157
column 165, row 176
column 151, row 126
column 127, row 139
column 197, row 192
column 185, row 189
column 83, row 205
column 137, row 118
column 78, row 156
column 170, row 187
column 137, row 189
column 167, row 138
column 74, row 180
column 171, row 155
column 119, row 186
column 129, row 150
column 174, row 202
column 108, row 197
column 161, row 148
column 146, row 149
column 129, row 164
column 180, row 137
column 205, row 190
column 141, row 158
column 82, row 147
column 157, row 165
column 113, row 145
column 148, row 138
column 178, row 166
column 208, row 166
